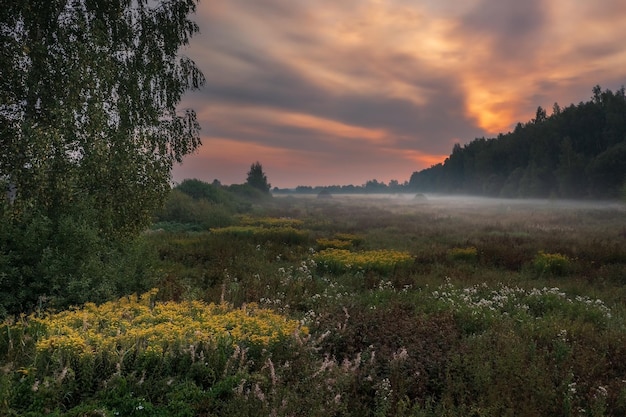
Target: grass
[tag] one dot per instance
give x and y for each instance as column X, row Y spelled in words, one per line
column 348, row 307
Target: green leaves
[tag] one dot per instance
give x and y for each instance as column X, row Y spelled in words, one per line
column 89, row 103
column 89, row 131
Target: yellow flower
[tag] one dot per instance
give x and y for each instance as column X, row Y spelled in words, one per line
column 136, row 323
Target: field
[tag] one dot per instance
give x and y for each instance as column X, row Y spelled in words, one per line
column 349, row 306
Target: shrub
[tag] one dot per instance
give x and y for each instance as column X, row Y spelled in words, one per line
column 54, row 264
column 282, row 234
column 551, row 263
column 140, row 324
column 325, row 243
column 133, row 354
column 269, row 222
column 200, row 190
column 339, row 241
column 182, row 208
column 469, row 254
column 383, row 261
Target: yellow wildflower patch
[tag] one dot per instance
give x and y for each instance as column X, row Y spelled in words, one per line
column 245, row 220
column 339, row 241
column 463, row 254
column 138, row 323
column 384, row 260
column 324, row 243
column 554, row 263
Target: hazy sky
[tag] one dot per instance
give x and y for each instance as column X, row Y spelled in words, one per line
column 326, row 92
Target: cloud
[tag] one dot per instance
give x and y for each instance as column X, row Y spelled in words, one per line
column 366, row 89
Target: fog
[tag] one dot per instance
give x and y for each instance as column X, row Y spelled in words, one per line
column 462, row 201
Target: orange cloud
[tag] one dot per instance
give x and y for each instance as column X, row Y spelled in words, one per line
column 387, row 76
column 245, row 119
column 421, row 159
column 494, row 112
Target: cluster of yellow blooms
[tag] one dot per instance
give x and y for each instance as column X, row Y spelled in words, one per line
column 340, row 241
column 324, row 243
column 355, row 239
column 383, row 260
column 555, row 263
column 463, row 254
column 270, row 221
column 138, row 323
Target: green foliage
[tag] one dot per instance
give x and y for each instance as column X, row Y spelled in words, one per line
column 200, row 190
column 89, row 132
column 281, row 234
column 183, row 209
column 551, row 263
column 56, row 264
column 106, row 128
column 249, row 193
column 383, row 261
column 469, row 254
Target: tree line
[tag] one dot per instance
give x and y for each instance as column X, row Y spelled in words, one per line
column 370, row 187
column 577, row 152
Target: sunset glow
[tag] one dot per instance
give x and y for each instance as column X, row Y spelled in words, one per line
column 326, row 92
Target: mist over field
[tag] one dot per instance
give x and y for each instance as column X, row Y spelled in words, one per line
column 447, row 201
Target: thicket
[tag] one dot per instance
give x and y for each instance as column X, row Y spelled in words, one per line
column 196, row 205
column 577, row 152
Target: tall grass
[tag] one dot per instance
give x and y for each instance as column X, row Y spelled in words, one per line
column 427, row 310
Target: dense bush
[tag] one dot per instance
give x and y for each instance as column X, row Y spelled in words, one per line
column 54, row 264
column 183, row 209
column 382, row 261
column 551, row 263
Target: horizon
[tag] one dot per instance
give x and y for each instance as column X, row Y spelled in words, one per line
column 344, row 93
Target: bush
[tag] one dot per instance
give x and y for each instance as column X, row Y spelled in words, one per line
column 181, row 208
column 324, row 243
column 552, row 263
column 341, row 260
column 261, row 234
column 199, row 190
column 133, row 354
column 54, row 264
column 469, row 254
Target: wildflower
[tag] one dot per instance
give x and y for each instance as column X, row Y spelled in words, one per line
column 401, row 355
column 135, row 323
column 602, row 392
column 572, row 387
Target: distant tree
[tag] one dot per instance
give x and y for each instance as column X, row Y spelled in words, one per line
column 541, row 115
column 373, row 186
column 257, row 178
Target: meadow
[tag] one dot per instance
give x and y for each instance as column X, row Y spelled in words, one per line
column 348, row 306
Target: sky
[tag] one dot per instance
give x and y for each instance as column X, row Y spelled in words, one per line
column 328, row 92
